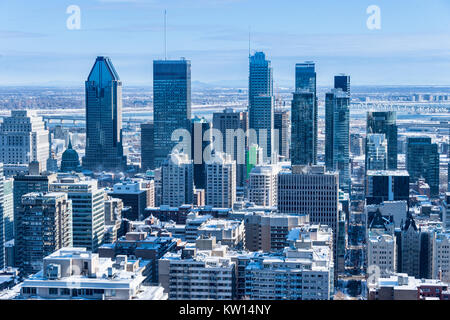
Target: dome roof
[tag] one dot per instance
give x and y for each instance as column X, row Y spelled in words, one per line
column 70, row 154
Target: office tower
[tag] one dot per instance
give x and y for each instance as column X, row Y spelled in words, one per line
column 23, row 139
column 385, row 123
column 75, row 273
column 396, row 212
column 268, row 232
column 306, row 81
column 70, row 160
column 261, row 102
column 8, row 209
column 304, row 270
column 23, row 184
column 337, row 135
column 263, row 185
column 356, row 144
column 422, row 161
column 230, row 123
column 342, row 81
column 147, row 147
column 44, row 226
column 441, row 256
column 113, row 220
column 376, row 152
column 134, row 195
column 171, row 104
column 215, row 272
column 282, row 123
column 2, row 220
column 303, row 149
column 104, row 149
column 446, row 212
column 88, row 210
column 387, row 186
column 381, row 251
column 177, row 180
column 201, row 139
column 221, row 181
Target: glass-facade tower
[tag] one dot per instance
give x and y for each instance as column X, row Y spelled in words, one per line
column 385, row 123
column 171, row 104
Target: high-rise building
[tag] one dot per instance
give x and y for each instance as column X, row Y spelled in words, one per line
column 8, row 209
column 422, row 161
column 44, row 226
column 201, row 139
column 303, row 149
column 312, row 191
column 133, row 194
column 385, row 123
column 88, row 210
column 261, row 102
column 381, row 251
column 70, row 160
column 171, row 104
column 342, row 81
column 177, row 180
column 376, row 152
column 230, row 123
column 282, row 123
column 306, row 81
column 337, row 135
column 147, row 147
column 221, row 181
column 387, row 186
column 23, row 139
column 263, row 185
column 2, row 221
column 104, row 149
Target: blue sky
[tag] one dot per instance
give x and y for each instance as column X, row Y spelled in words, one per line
column 412, row 47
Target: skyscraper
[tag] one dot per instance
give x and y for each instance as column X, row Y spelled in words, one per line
column 177, row 180
column 221, row 181
column 303, row 128
column 337, row 135
column 104, row 150
column 342, row 81
column 385, row 123
column 376, row 152
column 306, row 81
column 385, row 185
column 422, row 161
column 201, row 138
column 282, row 123
column 261, row 101
column 235, row 144
column 44, row 226
column 88, row 210
column 2, row 221
column 171, row 104
column 147, row 147
column 23, row 139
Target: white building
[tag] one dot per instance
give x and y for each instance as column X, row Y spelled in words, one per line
column 177, row 180
column 381, row 252
column 227, row 232
column 398, row 210
column 88, row 209
column 221, row 181
column 23, row 139
column 303, row 271
column 263, row 184
column 200, row 272
column 441, row 257
column 74, row 273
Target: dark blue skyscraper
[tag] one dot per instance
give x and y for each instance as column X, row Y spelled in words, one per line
column 304, row 115
column 342, row 81
column 104, row 150
column 171, row 104
column 385, row 123
column 422, row 161
column 261, row 101
column 337, row 135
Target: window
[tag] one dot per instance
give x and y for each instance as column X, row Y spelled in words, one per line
column 53, row 291
column 65, row 292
